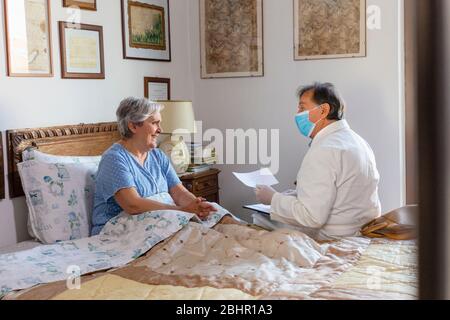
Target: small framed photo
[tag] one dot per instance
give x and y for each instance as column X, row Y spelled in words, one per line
column 82, row 55
column 82, row 4
column 146, row 30
column 329, row 29
column 231, row 38
column 28, row 38
column 157, row 88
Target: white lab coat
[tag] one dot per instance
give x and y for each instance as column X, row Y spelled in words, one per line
column 337, row 186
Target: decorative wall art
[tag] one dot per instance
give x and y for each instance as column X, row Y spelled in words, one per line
column 28, row 38
column 231, row 38
column 146, row 30
column 82, row 55
column 82, row 4
column 326, row 29
column 157, row 88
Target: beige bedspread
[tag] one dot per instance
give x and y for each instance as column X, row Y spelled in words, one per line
column 253, row 263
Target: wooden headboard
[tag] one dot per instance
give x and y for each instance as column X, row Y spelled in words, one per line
column 2, row 170
column 70, row 140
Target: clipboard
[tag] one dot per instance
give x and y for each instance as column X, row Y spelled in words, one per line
column 260, row 208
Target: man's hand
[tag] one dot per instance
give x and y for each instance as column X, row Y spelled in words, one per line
column 200, row 207
column 229, row 220
column 264, row 194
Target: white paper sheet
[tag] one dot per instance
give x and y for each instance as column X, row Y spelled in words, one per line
column 260, row 177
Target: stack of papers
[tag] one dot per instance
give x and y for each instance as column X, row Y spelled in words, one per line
column 252, row 179
column 260, row 177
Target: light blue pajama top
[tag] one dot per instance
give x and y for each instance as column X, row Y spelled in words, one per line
column 119, row 169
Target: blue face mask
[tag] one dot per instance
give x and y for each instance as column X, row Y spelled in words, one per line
column 305, row 126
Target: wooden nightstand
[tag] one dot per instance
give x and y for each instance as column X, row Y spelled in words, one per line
column 203, row 184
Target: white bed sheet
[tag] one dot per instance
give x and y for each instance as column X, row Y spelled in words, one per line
column 21, row 246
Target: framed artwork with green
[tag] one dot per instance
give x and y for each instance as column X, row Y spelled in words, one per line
column 146, row 30
column 81, row 4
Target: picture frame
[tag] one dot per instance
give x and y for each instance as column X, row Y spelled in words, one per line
column 321, row 29
column 157, row 88
column 28, row 38
column 146, row 30
column 81, row 4
column 227, row 50
column 82, row 51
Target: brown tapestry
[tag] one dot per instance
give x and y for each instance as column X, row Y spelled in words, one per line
column 330, row 28
column 231, row 36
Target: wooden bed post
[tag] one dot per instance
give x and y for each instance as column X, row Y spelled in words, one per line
column 433, row 113
column 2, row 170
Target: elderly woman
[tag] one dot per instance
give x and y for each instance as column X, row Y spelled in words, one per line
column 133, row 169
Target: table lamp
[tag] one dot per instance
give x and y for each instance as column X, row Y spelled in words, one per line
column 177, row 120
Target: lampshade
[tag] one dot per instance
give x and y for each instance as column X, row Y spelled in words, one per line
column 177, row 116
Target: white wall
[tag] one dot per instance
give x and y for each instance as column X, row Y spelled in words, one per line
column 39, row 102
column 371, row 86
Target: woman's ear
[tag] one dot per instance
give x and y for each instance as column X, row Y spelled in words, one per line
column 132, row 127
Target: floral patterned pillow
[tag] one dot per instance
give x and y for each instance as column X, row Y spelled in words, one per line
column 33, row 154
column 59, row 198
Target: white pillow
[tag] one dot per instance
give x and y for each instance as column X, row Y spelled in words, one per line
column 59, row 198
column 33, row 154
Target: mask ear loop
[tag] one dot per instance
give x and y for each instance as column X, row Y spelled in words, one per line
column 320, row 119
column 315, row 124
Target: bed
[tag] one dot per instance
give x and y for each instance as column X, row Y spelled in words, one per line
column 191, row 259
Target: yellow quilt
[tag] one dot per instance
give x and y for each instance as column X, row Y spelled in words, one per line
column 112, row 287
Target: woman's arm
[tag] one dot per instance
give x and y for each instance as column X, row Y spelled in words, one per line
column 181, row 195
column 132, row 203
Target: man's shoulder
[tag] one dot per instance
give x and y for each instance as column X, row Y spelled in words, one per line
column 343, row 139
column 335, row 145
column 345, row 144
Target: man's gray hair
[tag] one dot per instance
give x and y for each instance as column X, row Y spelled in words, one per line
column 326, row 93
column 136, row 111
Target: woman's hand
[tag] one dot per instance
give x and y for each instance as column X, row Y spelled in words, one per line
column 200, row 207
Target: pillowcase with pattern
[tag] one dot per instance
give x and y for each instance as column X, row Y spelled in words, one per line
column 60, row 199
column 34, row 154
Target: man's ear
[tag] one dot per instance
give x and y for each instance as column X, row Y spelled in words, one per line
column 325, row 110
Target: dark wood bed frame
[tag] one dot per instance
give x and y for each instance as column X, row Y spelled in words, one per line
column 69, row 140
column 2, row 170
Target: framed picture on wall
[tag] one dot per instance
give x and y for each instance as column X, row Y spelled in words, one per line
column 82, row 55
column 28, row 38
column 157, row 88
column 82, row 4
column 231, row 38
column 326, row 29
column 146, row 30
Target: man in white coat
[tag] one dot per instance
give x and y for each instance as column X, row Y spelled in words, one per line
column 337, row 185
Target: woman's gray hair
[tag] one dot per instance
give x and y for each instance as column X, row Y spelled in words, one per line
column 136, row 111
